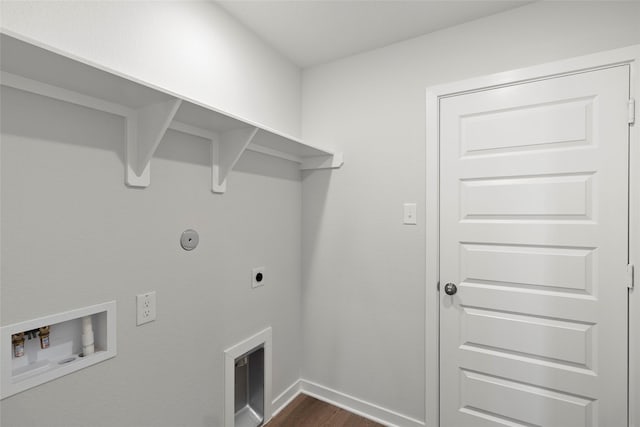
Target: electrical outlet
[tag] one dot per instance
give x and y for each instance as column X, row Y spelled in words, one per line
column 146, row 308
column 258, row 277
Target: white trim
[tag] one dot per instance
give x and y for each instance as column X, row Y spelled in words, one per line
column 357, row 406
column 121, row 110
column 432, row 306
column 215, row 136
column 330, row 161
column 146, row 127
column 226, row 152
column 274, row 153
column 634, row 251
column 142, row 82
column 21, row 83
column 193, row 130
column 628, row 55
column 286, row 397
column 263, row 339
column 43, row 89
column 606, row 59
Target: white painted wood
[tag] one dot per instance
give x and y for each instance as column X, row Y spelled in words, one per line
column 145, row 129
column 546, row 197
column 519, row 404
column 286, row 397
column 271, row 139
column 33, row 86
column 548, row 222
column 634, row 255
column 331, row 161
column 40, row 88
column 105, row 339
column 556, row 269
column 193, row 130
column 217, row 185
column 213, row 135
column 602, row 60
column 264, row 339
column 357, row 406
column 537, row 337
column 132, row 176
column 225, row 153
column 139, row 175
column 148, row 111
column 548, row 126
column 274, row 153
column 432, row 253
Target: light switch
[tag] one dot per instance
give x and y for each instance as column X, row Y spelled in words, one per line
column 410, row 212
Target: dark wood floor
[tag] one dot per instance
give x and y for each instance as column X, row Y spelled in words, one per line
column 306, row 411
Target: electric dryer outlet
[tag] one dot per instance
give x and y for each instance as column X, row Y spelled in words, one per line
column 258, row 277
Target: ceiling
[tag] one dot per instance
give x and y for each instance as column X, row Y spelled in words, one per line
column 311, row 32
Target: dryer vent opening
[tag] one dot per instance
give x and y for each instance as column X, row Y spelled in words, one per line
column 249, row 388
column 247, row 381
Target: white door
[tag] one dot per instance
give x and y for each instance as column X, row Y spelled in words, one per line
column 534, row 234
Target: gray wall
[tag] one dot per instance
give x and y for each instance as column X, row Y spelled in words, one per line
column 74, row 235
column 192, row 48
column 363, row 271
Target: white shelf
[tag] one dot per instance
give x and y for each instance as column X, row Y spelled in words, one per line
column 63, row 356
column 149, row 112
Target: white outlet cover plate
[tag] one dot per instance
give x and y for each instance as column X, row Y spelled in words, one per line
column 146, row 308
column 254, row 273
column 410, row 212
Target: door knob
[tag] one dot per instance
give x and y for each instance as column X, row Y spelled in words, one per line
column 450, row 289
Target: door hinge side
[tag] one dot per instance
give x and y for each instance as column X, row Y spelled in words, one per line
column 632, row 111
column 630, row 278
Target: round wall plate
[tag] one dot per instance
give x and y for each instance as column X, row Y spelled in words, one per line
column 189, row 240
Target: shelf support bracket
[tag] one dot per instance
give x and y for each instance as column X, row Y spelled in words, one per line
column 145, row 128
column 329, row 161
column 225, row 153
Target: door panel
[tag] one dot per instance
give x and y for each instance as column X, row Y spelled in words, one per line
column 564, row 269
column 532, row 406
column 546, row 126
column 548, row 197
column 534, row 233
column 528, row 335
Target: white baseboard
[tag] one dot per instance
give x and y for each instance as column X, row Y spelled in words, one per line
column 286, row 397
column 357, row 406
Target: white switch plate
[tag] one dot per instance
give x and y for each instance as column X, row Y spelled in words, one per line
column 258, row 273
column 146, row 311
column 410, row 212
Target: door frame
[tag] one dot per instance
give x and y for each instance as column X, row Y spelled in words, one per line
column 627, row 55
